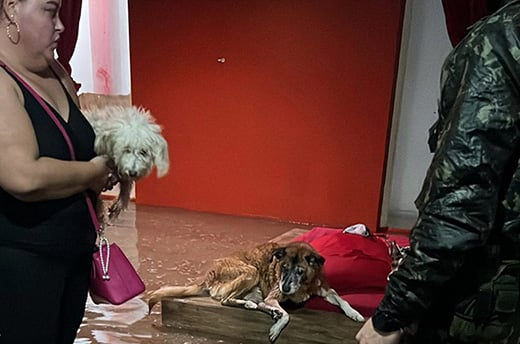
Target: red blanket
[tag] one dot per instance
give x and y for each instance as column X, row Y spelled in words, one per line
column 355, row 266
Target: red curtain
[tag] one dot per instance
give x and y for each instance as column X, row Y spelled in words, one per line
column 461, row 14
column 70, row 13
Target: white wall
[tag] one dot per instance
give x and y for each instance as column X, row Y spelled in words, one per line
column 83, row 70
column 424, row 48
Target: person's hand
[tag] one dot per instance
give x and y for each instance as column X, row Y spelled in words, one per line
column 101, row 174
column 369, row 335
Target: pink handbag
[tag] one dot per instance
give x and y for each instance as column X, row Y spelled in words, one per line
column 113, row 279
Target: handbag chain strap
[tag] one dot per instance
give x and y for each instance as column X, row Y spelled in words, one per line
column 104, row 260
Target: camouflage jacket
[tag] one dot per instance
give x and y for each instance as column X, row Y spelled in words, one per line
column 472, row 187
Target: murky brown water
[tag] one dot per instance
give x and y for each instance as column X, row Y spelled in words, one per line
column 168, row 246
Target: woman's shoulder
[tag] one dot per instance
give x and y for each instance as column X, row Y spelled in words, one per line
column 8, row 86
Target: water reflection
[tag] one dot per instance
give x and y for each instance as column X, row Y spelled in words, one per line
column 111, row 324
column 125, row 314
column 167, row 246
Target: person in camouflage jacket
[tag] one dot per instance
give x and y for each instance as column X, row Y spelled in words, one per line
column 469, row 205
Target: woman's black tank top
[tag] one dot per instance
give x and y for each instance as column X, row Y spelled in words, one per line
column 61, row 227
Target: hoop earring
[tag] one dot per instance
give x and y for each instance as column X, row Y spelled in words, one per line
column 8, row 29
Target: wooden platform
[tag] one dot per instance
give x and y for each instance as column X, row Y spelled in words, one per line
column 204, row 316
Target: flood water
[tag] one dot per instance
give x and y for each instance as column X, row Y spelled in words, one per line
column 168, row 247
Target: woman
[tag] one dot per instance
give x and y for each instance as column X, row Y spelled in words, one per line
column 46, row 233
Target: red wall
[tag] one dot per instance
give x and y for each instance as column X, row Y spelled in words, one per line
column 292, row 126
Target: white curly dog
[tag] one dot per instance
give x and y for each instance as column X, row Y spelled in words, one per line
column 132, row 139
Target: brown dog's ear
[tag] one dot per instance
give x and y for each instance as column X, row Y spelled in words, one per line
column 278, row 253
column 315, row 260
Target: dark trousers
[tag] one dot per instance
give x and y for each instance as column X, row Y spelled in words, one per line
column 42, row 299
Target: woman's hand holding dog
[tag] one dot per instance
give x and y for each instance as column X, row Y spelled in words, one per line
column 104, row 176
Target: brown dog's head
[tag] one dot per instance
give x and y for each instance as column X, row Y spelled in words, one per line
column 298, row 263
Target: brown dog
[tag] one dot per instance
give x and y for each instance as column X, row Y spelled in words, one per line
column 263, row 277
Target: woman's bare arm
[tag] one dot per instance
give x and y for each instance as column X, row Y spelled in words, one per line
column 22, row 173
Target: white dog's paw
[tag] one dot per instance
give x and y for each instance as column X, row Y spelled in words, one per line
column 114, row 210
column 278, row 326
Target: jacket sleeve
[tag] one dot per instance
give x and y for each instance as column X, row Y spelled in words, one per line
column 464, row 184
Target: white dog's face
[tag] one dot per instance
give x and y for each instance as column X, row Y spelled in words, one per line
column 131, row 138
column 134, row 162
column 136, row 152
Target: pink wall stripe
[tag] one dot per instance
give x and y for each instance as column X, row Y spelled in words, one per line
column 101, row 41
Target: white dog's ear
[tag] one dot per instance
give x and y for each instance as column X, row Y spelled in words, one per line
column 160, row 156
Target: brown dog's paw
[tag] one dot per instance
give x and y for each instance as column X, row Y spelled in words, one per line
column 356, row 316
column 153, row 297
column 277, row 328
column 276, row 314
column 152, row 301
